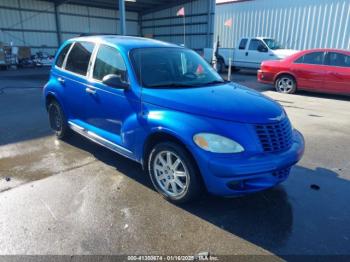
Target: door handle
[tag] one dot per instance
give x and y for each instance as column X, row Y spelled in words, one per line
column 90, row 90
column 246, row 53
column 61, row 80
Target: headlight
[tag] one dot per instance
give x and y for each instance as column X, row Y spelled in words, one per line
column 216, row 143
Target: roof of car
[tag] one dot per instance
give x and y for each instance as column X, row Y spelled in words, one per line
column 126, row 42
column 325, row 50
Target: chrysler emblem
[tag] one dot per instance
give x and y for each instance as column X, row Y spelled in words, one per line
column 278, row 118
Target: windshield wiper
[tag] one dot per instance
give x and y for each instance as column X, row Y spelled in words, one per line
column 165, row 85
column 216, row 82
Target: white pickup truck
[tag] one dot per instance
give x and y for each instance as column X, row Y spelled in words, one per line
column 250, row 53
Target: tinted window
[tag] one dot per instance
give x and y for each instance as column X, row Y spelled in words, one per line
column 79, row 57
column 109, row 61
column 243, row 43
column 312, row 58
column 254, row 44
column 337, row 59
column 62, row 55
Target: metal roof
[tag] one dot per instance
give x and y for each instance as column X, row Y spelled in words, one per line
column 140, row 6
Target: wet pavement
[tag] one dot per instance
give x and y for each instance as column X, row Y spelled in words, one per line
column 75, row 197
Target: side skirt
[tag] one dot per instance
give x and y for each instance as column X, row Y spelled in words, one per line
column 101, row 141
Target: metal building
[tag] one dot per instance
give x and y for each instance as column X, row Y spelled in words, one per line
column 44, row 24
column 166, row 26
column 297, row 24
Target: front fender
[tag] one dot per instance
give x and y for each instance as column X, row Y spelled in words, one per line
column 183, row 126
column 152, row 119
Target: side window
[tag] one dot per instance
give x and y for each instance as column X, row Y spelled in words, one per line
column 243, row 43
column 337, row 59
column 79, row 57
column 315, row 58
column 109, row 61
column 254, row 44
column 62, row 55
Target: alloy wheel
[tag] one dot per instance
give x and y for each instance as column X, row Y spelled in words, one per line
column 285, row 85
column 171, row 173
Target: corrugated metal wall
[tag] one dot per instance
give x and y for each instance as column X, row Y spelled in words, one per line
column 32, row 23
column 199, row 24
column 298, row 24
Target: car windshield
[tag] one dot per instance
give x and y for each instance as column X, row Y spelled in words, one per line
column 172, row 68
column 273, row 44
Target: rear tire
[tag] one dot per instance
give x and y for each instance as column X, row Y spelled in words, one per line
column 58, row 120
column 286, row 84
column 173, row 173
column 220, row 66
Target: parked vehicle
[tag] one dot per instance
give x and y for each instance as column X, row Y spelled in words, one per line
column 249, row 54
column 319, row 70
column 163, row 106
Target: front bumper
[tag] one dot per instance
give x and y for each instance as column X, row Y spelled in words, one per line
column 241, row 175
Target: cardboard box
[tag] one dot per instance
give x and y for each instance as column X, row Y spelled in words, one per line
column 24, row 52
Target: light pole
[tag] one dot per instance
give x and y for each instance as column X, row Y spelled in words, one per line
column 122, row 17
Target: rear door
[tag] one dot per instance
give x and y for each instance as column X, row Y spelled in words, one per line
column 73, row 79
column 309, row 71
column 239, row 57
column 337, row 76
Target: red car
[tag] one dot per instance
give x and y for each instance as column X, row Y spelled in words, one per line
column 319, row 70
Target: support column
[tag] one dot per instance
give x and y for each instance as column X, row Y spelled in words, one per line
column 122, row 17
column 58, row 25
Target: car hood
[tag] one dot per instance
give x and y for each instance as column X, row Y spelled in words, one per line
column 229, row 101
column 283, row 53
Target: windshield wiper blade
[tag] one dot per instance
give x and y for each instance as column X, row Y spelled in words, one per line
column 165, row 85
column 216, row 82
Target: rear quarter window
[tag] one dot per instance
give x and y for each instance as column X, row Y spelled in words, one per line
column 243, row 44
column 62, row 55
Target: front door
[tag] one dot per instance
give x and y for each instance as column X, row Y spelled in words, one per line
column 337, row 76
column 109, row 108
column 256, row 53
column 310, row 71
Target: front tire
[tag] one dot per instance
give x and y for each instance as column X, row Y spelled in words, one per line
column 286, row 84
column 58, row 121
column 173, row 173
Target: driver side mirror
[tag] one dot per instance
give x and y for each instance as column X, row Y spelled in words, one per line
column 115, row 81
column 262, row 48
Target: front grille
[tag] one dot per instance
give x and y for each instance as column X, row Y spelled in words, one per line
column 275, row 137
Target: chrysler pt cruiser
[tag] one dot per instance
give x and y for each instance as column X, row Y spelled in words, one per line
column 163, row 106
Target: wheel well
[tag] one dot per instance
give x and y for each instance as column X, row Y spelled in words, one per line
column 220, row 58
column 49, row 99
column 286, row 74
column 160, row 137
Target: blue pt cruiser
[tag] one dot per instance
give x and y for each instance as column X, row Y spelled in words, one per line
column 163, row 106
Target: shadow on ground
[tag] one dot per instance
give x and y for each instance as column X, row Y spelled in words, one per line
column 266, row 219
